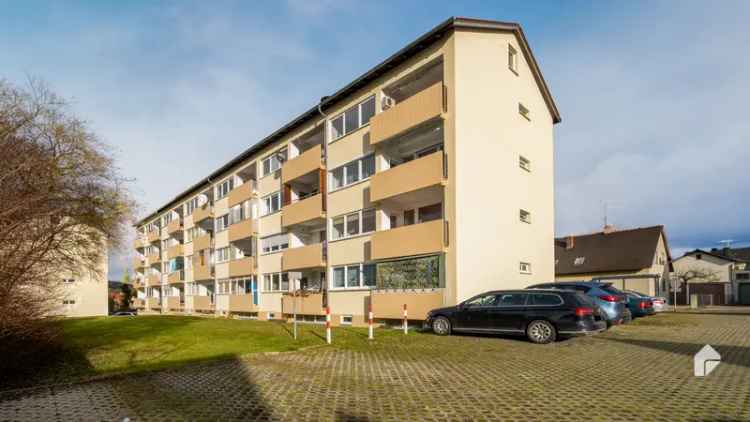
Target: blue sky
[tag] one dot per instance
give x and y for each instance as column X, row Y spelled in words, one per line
column 651, row 93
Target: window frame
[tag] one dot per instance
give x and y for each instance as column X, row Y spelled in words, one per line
column 345, row 228
column 524, row 216
column 512, row 59
column 345, row 174
column 524, row 111
column 267, row 208
column 280, row 276
column 344, row 129
column 270, row 158
column 279, row 249
column 524, row 267
column 524, row 163
column 360, row 276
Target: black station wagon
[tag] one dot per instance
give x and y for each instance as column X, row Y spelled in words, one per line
column 540, row 315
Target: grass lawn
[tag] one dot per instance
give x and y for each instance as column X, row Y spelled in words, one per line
column 113, row 345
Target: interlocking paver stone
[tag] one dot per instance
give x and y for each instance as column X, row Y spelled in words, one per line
column 641, row 371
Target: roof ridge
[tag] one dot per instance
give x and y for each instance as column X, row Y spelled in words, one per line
column 658, row 226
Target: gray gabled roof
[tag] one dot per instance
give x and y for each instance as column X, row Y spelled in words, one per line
column 396, row 59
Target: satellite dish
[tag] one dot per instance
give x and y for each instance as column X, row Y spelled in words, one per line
column 202, row 200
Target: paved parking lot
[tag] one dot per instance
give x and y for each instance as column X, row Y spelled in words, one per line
column 642, row 371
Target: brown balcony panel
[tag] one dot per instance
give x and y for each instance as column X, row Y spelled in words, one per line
column 304, row 257
column 302, row 164
column 154, row 281
column 390, row 305
column 242, row 230
column 153, row 302
column 242, row 267
column 174, row 251
column 311, row 304
column 153, row 236
column 173, row 303
column 202, row 213
column 202, row 303
column 242, row 303
column 240, row 194
column 138, row 263
column 138, row 243
column 174, row 226
column 407, row 114
column 418, row 174
column 416, row 239
column 202, row 272
column 302, row 211
column 202, row 242
column 154, row 258
column 176, row 277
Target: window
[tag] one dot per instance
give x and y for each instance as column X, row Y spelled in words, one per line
column 346, row 320
column 408, row 217
column 274, row 161
column 69, row 280
column 524, row 163
column 698, row 256
column 525, row 216
column 276, row 282
column 523, row 111
column 354, row 276
column 222, row 223
column 743, row 276
column 223, row 188
column 512, row 299
column 353, row 224
column 545, row 299
column 191, row 205
column 512, row 59
column 430, row 213
column 166, row 219
column 353, row 172
column 193, row 232
column 222, row 255
column 524, row 268
column 579, row 261
column 239, row 212
column 353, row 118
column 275, row 243
column 69, row 302
column 272, row 203
column 484, row 300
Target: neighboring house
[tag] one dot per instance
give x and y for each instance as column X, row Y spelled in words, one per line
column 728, row 275
column 635, row 259
column 85, row 293
column 378, row 195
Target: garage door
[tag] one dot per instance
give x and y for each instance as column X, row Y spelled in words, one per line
column 744, row 298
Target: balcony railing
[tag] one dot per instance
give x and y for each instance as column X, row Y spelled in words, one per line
column 418, row 174
column 139, row 242
column 174, row 251
column 241, row 193
column 310, row 208
column 312, row 304
column 390, row 305
column 419, row 108
column 153, row 280
column 202, row 272
column 242, row 230
column 154, row 258
column 416, row 239
column 174, row 226
column 202, row 213
column 242, row 267
column 138, row 262
column 153, row 302
column 203, row 303
column 174, row 303
column 302, row 164
column 176, row 277
column 300, row 258
column 153, row 236
column 202, row 242
column 242, row 303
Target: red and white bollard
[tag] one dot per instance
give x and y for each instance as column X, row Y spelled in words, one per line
column 406, row 321
column 328, row 324
column 369, row 322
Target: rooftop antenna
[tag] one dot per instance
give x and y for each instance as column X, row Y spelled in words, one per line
column 606, row 204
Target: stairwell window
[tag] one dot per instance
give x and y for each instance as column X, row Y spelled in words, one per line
column 512, row 59
column 524, row 112
column 524, row 216
column 524, row 163
column 524, row 268
column 353, row 118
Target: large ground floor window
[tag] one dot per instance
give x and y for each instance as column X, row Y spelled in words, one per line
column 411, row 273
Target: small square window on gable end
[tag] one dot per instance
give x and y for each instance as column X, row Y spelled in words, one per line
column 512, row 59
column 523, row 111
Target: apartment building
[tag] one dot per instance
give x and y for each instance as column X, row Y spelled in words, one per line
column 84, row 292
column 421, row 183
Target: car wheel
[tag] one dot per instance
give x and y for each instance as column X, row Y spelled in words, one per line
column 441, row 326
column 541, row 332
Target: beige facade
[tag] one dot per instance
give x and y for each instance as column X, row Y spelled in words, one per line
column 403, row 188
column 84, row 293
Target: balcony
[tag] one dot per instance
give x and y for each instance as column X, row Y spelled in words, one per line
column 153, row 302
column 202, row 213
column 138, row 262
column 242, row 267
column 418, row 174
column 302, row 164
column 304, row 257
column 176, row 277
column 242, row 303
column 173, row 303
column 416, row 239
column 153, row 236
column 139, row 283
column 390, row 305
column 243, row 229
column 311, row 304
column 202, row 242
column 241, row 193
column 413, row 111
column 174, row 227
column 154, row 258
column 203, row 303
column 202, row 272
column 174, row 251
column 153, row 280
column 303, row 211
column 139, row 243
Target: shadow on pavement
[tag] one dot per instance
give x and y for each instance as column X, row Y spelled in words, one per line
column 736, row 355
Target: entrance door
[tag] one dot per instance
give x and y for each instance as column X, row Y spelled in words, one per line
column 744, row 294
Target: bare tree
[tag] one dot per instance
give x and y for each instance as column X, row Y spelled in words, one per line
column 693, row 274
column 62, row 201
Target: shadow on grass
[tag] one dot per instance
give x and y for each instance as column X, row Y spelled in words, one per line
column 736, row 355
